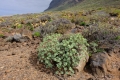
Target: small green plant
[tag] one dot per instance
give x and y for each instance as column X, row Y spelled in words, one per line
column 36, row 34
column 62, row 53
column 117, row 38
column 1, row 35
column 93, row 46
column 30, row 26
column 100, row 8
column 82, row 24
column 19, row 26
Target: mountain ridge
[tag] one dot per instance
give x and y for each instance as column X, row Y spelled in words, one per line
column 58, row 5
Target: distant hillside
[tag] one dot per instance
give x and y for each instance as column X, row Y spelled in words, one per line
column 57, row 5
column 62, row 4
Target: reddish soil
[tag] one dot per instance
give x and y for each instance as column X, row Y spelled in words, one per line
column 18, row 61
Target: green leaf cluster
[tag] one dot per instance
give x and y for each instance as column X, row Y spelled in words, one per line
column 19, row 26
column 63, row 53
column 36, row 34
column 117, row 38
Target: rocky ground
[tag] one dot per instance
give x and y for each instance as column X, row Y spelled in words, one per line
column 18, row 61
column 19, row 44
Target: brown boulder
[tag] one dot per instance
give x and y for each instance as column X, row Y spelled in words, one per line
column 106, row 65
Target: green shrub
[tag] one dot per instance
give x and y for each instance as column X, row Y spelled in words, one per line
column 36, row 34
column 62, row 53
column 117, row 38
column 94, row 48
column 19, row 26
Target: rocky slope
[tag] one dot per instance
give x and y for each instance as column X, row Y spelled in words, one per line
column 60, row 3
column 57, row 5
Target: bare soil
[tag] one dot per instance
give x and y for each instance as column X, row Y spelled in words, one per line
column 18, row 61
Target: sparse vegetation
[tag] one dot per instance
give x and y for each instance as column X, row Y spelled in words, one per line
column 91, row 22
column 101, row 32
column 18, row 25
column 36, row 34
column 1, row 35
column 118, row 37
column 55, row 26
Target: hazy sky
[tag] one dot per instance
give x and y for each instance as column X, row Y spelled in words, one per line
column 10, row 7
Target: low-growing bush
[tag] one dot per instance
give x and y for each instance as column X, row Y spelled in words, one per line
column 62, row 53
column 93, row 46
column 101, row 36
column 81, row 20
column 19, row 25
column 36, row 34
column 117, row 37
column 56, row 26
column 62, row 25
column 45, row 18
column 29, row 26
column 102, row 32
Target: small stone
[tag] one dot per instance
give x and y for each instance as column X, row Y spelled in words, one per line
column 13, row 53
column 7, row 71
column 9, row 39
column 22, row 56
column 17, row 37
column 8, row 55
column 2, row 67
